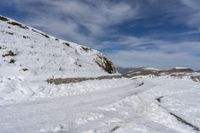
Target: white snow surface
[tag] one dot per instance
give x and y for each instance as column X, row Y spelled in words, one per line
column 151, row 68
column 181, row 67
column 106, row 106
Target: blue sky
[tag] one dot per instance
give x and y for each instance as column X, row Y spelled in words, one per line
column 133, row 33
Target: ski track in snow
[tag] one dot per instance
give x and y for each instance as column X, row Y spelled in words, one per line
column 124, row 106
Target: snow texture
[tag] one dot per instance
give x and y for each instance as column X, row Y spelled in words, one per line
column 28, row 104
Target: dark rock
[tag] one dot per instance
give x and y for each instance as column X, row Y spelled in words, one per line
column 105, row 64
column 86, row 49
column 25, row 69
column 9, row 53
column 12, row 61
column 3, row 18
column 17, row 24
column 10, row 33
column 67, row 44
column 43, row 34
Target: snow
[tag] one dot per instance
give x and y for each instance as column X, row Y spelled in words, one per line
column 181, row 68
column 28, row 104
column 151, row 68
column 38, row 57
column 43, row 56
column 123, row 105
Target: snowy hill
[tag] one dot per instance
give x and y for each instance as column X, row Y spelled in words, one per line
column 29, row 57
column 26, row 51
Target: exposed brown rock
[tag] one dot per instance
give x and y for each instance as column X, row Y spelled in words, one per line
column 19, row 25
column 86, row 49
column 105, row 64
column 9, row 53
column 3, row 18
column 58, row 81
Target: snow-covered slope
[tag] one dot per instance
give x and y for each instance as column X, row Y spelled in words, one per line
column 27, row 52
column 28, row 57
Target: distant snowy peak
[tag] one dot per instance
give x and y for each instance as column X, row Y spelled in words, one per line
column 181, row 68
column 151, row 68
column 26, row 51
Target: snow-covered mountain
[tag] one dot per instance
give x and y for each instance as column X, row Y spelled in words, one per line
column 27, row 52
column 30, row 57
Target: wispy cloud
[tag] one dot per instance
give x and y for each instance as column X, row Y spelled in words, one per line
column 194, row 9
column 154, row 59
column 131, row 32
column 158, row 53
column 81, row 21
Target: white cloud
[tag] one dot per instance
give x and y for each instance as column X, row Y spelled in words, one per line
column 194, row 9
column 131, row 58
column 166, row 53
column 162, row 45
column 76, row 20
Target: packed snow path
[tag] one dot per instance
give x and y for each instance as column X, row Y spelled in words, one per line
column 133, row 106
